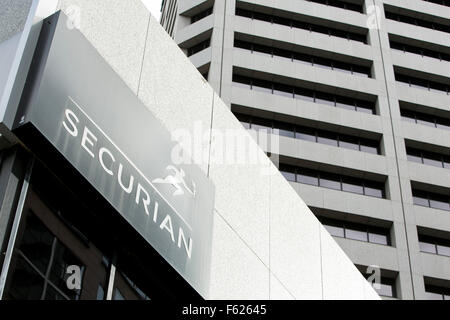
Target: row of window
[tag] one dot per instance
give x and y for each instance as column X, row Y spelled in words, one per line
column 332, row 32
column 424, row 52
column 423, row 84
column 201, row 15
column 304, row 94
column 341, row 4
column 425, row 119
column 333, row 181
column 441, row 2
column 428, row 158
column 354, row 231
column 310, row 134
column 431, row 200
column 305, row 59
column 434, row 245
column 417, row 22
column 198, row 47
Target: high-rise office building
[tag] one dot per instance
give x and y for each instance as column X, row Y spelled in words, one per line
column 360, row 93
column 123, row 175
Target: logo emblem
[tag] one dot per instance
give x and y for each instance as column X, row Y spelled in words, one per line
column 177, row 180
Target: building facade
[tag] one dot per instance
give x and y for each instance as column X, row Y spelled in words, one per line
column 360, row 93
column 118, row 178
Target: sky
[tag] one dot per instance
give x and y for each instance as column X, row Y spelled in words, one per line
column 154, row 6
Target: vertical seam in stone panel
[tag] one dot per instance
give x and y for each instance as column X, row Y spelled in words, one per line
column 210, row 135
column 270, row 207
column 395, row 147
column 321, row 260
column 144, row 54
column 282, row 284
column 223, row 49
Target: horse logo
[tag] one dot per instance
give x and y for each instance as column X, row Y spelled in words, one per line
column 177, row 180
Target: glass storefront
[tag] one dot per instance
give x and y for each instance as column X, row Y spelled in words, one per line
column 71, row 246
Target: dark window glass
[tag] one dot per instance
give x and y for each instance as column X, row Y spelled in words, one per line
column 349, row 142
column 417, row 22
column 355, row 231
column 387, row 288
column 27, row 283
column 353, row 234
column 198, row 47
column 285, row 130
column 335, row 231
column 288, row 172
column 436, row 293
column 378, row 238
column 333, row 181
column 422, row 83
column 303, row 25
column 201, row 15
column 330, row 181
column 373, row 189
column 288, row 175
column 327, row 138
column 443, row 250
column 304, row 94
column 427, row 247
column 37, row 243
column 307, row 177
column 283, row 90
column 422, row 118
column 352, row 185
column 433, row 200
column 306, row 134
column 324, row 98
column 301, row 93
column 420, row 201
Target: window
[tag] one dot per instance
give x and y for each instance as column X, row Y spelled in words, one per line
column 201, row 15
column 387, row 288
column 198, row 47
column 410, row 19
column 359, row 37
column 342, row 4
column 428, row 158
column 421, row 51
column 432, row 200
column 355, row 231
column 306, row 176
column 61, row 238
column 304, row 94
column 310, row 134
column 434, row 245
column 307, row 59
column 441, row 2
column 335, row 181
column 425, row 119
column 42, row 262
column 422, row 84
column 433, row 292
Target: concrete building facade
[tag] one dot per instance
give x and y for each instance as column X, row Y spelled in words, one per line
column 108, row 66
column 360, row 93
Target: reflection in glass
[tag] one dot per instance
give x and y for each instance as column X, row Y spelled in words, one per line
column 427, row 247
column 356, row 235
column 378, row 238
column 27, row 284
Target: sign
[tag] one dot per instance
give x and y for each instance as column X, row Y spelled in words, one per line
column 98, row 124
